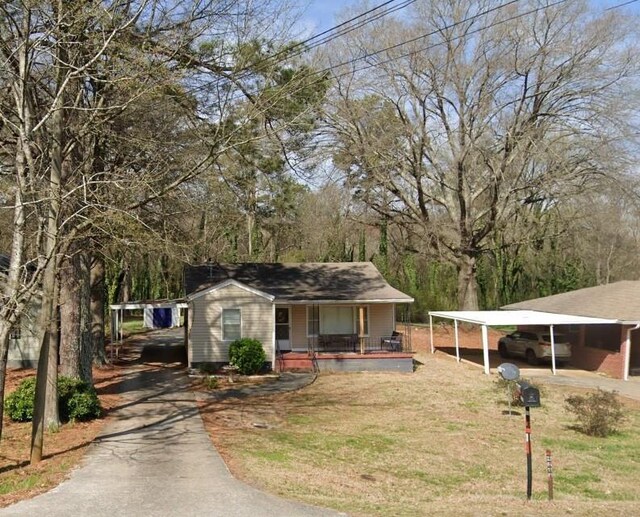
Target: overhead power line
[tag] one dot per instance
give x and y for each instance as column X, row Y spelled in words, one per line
column 330, row 34
column 440, row 30
column 623, row 4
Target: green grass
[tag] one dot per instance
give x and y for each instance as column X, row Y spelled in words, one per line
column 24, row 483
column 431, row 442
column 271, row 456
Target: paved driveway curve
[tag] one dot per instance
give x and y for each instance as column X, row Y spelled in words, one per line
column 155, row 458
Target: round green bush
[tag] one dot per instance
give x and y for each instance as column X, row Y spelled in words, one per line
column 247, row 355
column 83, row 405
column 19, row 404
column 77, row 400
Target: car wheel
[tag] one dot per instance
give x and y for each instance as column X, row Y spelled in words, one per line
column 502, row 350
column 532, row 359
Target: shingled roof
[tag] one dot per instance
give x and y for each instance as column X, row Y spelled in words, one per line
column 310, row 281
column 619, row 301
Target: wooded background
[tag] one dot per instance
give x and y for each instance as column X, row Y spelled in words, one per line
column 478, row 153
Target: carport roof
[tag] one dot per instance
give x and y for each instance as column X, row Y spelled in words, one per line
column 521, row 317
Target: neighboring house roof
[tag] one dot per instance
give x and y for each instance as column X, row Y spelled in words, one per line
column 300, row 282
column 619, row 301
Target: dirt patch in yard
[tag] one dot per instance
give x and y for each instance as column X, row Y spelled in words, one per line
column 437, row 442
column 469, row 336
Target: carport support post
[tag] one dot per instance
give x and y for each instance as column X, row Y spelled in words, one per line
column 553, row 350
column 485, row 349
column 114, row 330
column 455, row 327
column 431, row 332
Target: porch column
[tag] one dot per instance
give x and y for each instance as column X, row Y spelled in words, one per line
column 627, row 352
column 273, row 348
column 553, row 350
column 485, row 349
column 361, row 328
column 455, row 329
column 114, row 330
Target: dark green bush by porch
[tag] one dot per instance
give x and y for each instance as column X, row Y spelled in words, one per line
column 247, row 355
column 76, row 400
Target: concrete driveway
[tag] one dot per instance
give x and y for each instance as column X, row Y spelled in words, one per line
column 584, row 379
column 155, row 458
column 566, row 375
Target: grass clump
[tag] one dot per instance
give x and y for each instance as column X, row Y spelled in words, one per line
column 599, row 414
column 210, row 382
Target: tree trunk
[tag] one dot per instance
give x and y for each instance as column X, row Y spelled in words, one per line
column 4, row 353
column 467, row 286
column 75, row 315
column 51, row 409
column 97, row 311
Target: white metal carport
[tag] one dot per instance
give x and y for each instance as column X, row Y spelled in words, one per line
column 506, row 318
column 117, row 314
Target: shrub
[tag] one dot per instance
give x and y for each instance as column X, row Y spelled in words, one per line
column 19, row 404
column 599, row 414
column 76, row 400
column 83, row 405
column 247, row 355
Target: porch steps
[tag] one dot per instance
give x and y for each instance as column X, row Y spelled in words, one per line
column 294, row 361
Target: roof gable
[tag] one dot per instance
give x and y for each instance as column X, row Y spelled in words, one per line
column 300, row 282
column 228, row 283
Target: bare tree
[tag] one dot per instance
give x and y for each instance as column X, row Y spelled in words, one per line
column 486, row 117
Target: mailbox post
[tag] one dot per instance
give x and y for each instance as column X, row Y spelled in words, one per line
column 529, row 397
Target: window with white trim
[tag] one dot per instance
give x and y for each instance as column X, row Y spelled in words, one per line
column 336, row 319
column 231, row 324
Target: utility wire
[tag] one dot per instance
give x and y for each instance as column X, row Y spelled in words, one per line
column 329, row 34
column 438, row 43
column 620, row 5
column 322, row 72
column 440, row 30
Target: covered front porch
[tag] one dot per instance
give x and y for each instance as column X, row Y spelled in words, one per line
column 343, row 337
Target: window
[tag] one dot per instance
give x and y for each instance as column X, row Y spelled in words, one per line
column 313, row 320
column 231, row 324
column 336, row 320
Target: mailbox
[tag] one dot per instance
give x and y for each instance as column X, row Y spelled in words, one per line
column 529, row 396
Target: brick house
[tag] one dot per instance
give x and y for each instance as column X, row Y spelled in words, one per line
column 612, row 348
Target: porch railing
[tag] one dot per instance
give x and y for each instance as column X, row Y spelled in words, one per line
column 351, row 343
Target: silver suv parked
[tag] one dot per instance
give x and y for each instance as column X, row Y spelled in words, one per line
column 534, row 346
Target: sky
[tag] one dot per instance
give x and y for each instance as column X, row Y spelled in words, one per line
column 320, row 14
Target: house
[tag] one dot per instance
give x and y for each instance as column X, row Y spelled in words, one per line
column 612, row 348
column 24, row 344
column 342, row 315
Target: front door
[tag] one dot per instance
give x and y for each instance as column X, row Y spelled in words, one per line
column 283, row 328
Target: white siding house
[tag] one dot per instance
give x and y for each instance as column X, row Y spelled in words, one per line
column 345, row 307
column 221, row 314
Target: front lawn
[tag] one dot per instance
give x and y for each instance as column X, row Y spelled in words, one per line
column 433, row 442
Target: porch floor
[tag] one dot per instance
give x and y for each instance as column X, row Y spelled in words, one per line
column 346, row 361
